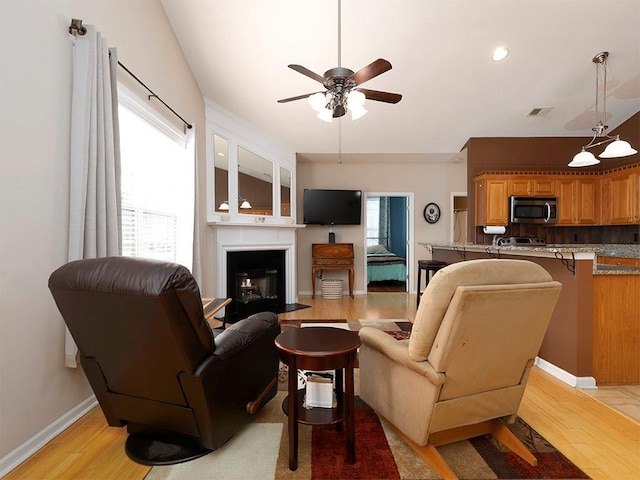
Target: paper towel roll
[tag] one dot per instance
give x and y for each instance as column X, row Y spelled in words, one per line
column 489, row 230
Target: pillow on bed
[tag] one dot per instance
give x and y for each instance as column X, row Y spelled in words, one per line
column 376, row 249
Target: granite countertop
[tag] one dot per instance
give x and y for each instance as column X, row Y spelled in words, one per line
column 579, row 251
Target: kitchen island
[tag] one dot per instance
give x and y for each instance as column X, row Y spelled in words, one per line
column 594, row 333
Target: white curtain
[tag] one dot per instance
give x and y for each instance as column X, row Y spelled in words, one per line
column 94, row 220
column 192, row 147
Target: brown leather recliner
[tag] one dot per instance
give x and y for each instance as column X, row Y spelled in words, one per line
column 153, row 362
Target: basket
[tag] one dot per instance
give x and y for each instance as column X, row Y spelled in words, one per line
column 332, row 289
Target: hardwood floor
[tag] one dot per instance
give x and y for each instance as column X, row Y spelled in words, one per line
column 600, row 440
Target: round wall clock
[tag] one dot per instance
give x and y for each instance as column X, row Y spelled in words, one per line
column 431, row 213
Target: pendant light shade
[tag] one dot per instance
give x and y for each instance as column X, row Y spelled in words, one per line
column 317, row 101
column 584, row 159
column 618, row 148
column 326, row 115
column 245, row 204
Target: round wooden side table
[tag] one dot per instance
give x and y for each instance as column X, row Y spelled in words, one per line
column 319, row 348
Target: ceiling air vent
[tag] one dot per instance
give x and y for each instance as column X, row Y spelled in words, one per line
column 539, row 111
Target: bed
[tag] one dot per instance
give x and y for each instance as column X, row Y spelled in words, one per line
column 382, row 265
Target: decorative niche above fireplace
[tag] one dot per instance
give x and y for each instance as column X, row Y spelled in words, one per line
column 250, row 176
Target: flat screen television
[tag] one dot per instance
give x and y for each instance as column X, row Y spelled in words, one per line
column 332, row 207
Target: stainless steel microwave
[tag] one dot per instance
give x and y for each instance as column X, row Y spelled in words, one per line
column 533, row 210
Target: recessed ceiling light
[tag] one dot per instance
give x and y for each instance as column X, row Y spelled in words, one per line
column 500, row 54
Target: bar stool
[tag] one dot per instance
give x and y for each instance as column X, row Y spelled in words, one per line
column 430, row 267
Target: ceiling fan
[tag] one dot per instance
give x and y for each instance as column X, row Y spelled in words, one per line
column 343, row 92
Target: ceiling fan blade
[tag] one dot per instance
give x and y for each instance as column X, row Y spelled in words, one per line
column 299, row 97
column 372, row 70
column 381, row 96
column 307, row 72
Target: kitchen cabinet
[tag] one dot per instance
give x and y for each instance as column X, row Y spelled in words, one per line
column 520, row 187
column 621, row 192
column 538, row 186
column 578, row 200
column 620, row 261
column 491, row 200
column 616, row 338
column 611, row 198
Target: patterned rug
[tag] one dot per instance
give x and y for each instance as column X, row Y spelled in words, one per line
column 260, row 450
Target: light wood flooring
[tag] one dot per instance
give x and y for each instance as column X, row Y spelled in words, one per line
column 602, row 441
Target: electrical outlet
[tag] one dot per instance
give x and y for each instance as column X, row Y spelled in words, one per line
column 634, row 237
column 575, row 237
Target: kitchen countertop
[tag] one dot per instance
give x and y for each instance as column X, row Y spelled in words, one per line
column 577, row 251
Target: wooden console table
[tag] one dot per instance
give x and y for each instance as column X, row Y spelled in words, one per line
column 332, row 256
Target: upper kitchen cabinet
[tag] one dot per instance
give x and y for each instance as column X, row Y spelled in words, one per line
column 491, row 195
column 621, row 194
column 578, row 200
column 536, row 186
column 578, row 196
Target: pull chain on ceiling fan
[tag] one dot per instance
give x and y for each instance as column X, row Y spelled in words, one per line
column 341, row 94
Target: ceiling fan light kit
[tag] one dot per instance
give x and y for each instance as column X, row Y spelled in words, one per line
column 616, row 148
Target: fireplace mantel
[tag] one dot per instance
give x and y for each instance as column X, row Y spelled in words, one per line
column 255, row 225
column 236, row 237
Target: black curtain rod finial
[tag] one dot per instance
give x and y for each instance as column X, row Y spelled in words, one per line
column 76, row 27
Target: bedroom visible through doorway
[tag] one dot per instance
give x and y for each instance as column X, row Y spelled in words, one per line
column 387, row 250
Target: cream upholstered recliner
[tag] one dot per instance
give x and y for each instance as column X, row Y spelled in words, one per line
column 476, row 334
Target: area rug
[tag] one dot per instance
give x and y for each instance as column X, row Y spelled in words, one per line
column 260, row 451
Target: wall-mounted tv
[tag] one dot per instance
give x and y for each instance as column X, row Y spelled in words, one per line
column 332, row 207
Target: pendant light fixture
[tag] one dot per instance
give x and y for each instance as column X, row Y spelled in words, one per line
column 617, row 148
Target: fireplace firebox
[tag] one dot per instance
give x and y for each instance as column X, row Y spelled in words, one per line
column 255, row 282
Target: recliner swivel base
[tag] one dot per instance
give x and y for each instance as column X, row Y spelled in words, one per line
column 163, row 449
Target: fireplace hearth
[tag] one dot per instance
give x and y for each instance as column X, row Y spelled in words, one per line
column 256, row 282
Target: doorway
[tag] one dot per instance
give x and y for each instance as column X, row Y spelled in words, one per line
column 458, row 227
column 388, row 239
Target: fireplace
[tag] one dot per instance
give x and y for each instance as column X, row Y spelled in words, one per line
column 255, row 239
column 256, row 282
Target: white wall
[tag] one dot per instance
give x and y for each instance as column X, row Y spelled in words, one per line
column 430, row 181
column 35, row 387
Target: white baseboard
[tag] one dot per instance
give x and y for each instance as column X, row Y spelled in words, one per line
column 35, row 443
column 345, row 293
column 566, row 377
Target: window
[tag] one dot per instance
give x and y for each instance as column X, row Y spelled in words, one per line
column 157, row 181
column 378, row 221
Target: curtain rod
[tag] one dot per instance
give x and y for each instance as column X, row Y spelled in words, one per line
column 76, row 29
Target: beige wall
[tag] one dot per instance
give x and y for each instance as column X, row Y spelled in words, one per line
column 428, row 180
column 35, row 388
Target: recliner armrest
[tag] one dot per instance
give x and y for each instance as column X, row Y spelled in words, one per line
column 398, row 352
column 243, row 333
